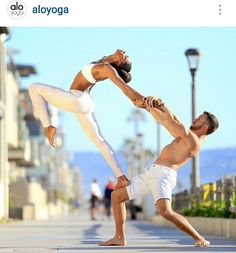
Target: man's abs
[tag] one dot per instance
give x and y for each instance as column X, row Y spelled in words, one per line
column 174, row 155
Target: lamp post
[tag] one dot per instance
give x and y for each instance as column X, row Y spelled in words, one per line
column 193, row 56
column 158, row 138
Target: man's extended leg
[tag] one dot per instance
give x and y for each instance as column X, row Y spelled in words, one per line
column 119, row 197
column 165, row 210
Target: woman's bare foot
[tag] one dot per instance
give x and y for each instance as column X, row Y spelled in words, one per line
column 122, row 182
column 113, row 242
column 50, row 133
column 202, row 243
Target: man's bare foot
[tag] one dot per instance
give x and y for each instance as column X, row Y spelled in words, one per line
column 202, row 243
column 113, row 242
column 50, row 133
column 122, row 182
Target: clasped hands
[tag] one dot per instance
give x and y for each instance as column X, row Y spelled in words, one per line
column 150, row 102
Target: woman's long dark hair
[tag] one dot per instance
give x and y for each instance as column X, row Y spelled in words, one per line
column 123, row 71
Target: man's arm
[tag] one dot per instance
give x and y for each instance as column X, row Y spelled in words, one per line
column 164, row 116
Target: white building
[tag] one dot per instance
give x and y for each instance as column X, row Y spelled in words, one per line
column 3, row 146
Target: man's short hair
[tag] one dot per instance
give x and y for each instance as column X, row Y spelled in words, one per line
column 213, row 122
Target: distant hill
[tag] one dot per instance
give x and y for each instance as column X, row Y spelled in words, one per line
column 93, row 165
column 214, row 164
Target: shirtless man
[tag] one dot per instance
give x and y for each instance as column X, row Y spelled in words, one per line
column 160, row 178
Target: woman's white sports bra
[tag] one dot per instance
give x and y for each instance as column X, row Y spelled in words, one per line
column 87, row 73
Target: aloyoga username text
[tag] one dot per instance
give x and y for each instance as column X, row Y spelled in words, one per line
column 50, row 10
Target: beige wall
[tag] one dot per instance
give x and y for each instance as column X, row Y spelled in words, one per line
column 12, row 91
column 210, row 226
column 1, row 200
column 3, row 145
column 38, row 196
column 22, row 192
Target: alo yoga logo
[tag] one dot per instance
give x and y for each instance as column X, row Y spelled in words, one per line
column 16, row 9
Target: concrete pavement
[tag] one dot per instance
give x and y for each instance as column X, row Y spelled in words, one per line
column 78, row 234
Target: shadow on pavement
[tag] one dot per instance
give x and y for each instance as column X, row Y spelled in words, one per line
column 218, row 244
column 91, row 232
column 153, row 249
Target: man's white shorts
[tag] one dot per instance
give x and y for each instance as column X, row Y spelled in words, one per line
column 158, row 179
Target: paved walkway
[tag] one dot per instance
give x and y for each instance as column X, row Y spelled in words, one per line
column 79, row 234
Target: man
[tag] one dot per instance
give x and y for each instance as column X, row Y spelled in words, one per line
column 96, row 196
column 107, row 197
column 160, row 178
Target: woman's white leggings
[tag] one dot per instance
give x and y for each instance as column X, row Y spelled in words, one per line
column 82, row 105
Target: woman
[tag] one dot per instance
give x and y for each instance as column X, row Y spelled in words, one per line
column 116, row 67
column 107, row 198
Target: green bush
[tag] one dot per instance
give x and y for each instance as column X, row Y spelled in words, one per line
column 208, row 209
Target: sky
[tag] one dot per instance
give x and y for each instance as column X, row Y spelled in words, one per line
column 159, row 68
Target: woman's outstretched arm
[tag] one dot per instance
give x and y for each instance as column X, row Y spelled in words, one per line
column 131, row 93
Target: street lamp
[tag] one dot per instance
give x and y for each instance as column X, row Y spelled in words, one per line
column 158, row 138
column 193, row 56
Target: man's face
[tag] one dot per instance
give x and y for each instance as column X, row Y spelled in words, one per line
column 199, row 122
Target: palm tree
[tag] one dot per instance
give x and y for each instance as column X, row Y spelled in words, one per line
column 136, row 116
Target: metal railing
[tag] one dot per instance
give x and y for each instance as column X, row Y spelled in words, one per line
column 216, row 199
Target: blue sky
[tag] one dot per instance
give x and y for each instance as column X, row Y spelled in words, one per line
column 159, row 68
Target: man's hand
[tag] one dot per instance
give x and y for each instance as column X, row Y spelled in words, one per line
column 157, row 103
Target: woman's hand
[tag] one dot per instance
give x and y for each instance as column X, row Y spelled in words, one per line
column 139, row 103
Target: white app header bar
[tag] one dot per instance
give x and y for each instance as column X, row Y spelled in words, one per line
column 118, row 13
